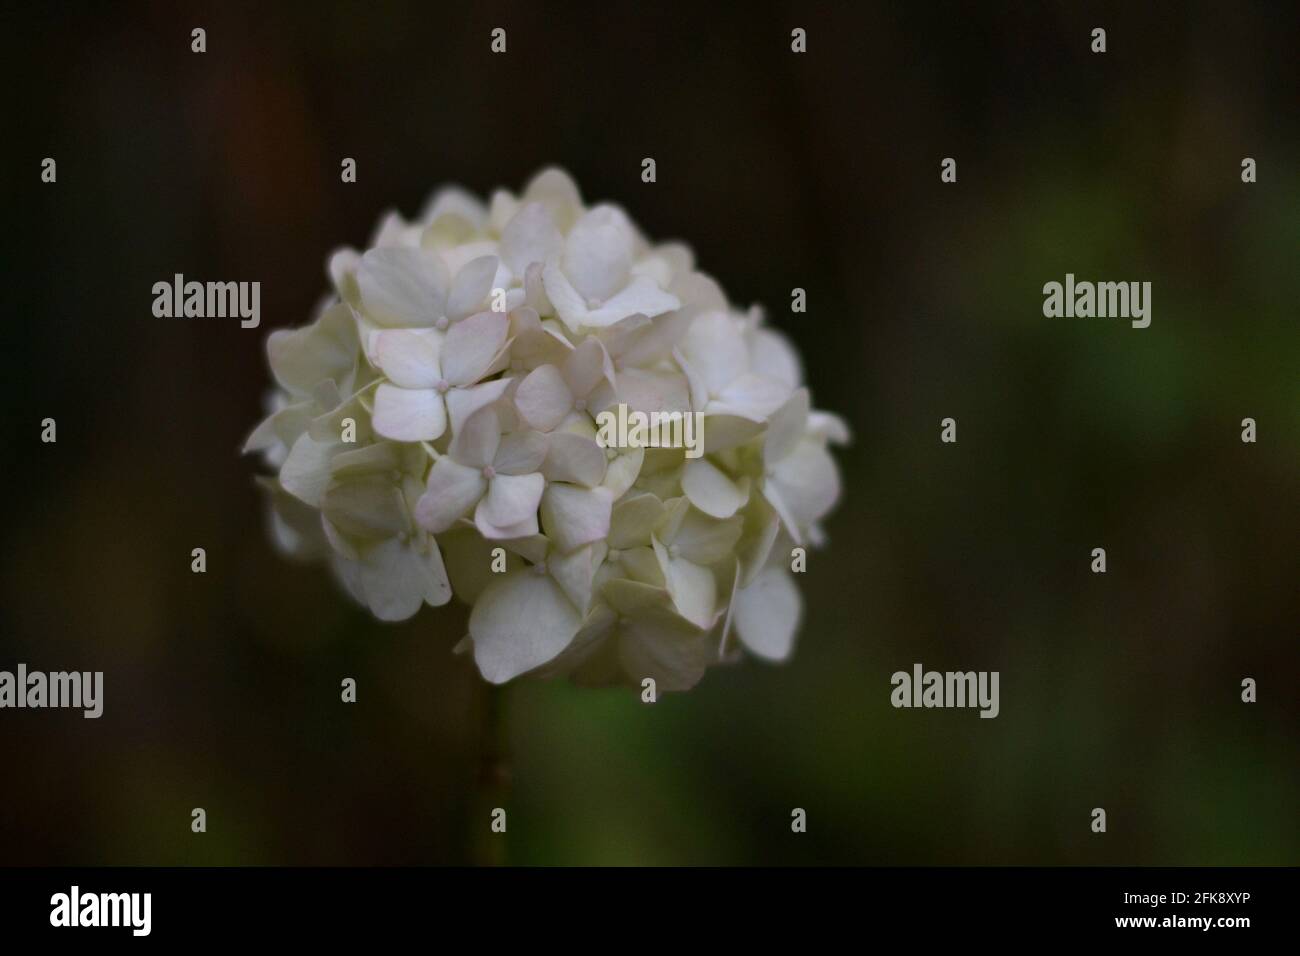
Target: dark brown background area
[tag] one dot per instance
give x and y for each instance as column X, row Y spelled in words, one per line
column 819, row 171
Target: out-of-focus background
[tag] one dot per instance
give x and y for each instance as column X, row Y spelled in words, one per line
column 819, row 171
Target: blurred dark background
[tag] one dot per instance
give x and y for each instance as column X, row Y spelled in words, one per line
column 820, row 171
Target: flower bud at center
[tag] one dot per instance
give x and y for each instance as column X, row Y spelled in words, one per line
column 489, row 472
column 442, row 386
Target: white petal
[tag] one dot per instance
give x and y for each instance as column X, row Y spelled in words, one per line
column 348, row 573
column 397, row 578
column 516, row 298
column 453, row 490
column 554, row 189
column 391, row 231
column 520, row 622
column 535, row 296
column 502, row 205
column 520, row 453
column 623, row 470
column 329, row 426
column 588, row 658
column 281, row 429
column 716, row 349
column 772, row 356
column 384, row 457
column 767, row 614
column 366, row 507
column 598, row 252
column 402, row 287
column 656, row 340
column 762, row 524
column 464, row 402
column 573, row 516
column 524, row 529
column 574, row 458
column 693, row 588
column 640, row 297
column 471, row 345
column 511, row 499
column 543, row 398
column 662, row 473
column 786, row 427
column 342, row 546
column 296, row 528
column 751, row 396
column 663, row 646
column 456, row 258
column 408, row 359
column 534, row 343
column 727, row 431
column 633, row 521
column 699, row 293
column 620, row 337
column 772, row 492
column 471, row 286
column 326, row 349
column 711, row 490
column 342, row 269
column 585, row 366
column 477, row 440
column 529, row 237
column 730, row 603
column 574, row 574
column 654, row 267
column 391, row 584
column 633, row 598
column 705, row 540
column 306, row 470
column 407, row 414
column 808, row 481
column 452, row 216
column 699, row 387
column 438, row 585
column 641, row 564
column 829, row 426
column 569, row 304
column 648, row 391
column 532, row 548
column 675, row 512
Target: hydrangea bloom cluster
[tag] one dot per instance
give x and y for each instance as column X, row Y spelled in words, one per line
column 434, row 434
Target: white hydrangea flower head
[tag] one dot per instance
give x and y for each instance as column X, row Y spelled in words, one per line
column 444, row 408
